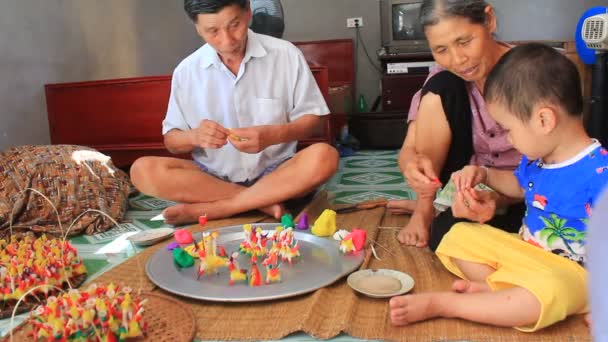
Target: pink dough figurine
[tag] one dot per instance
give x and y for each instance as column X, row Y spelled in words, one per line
column 183, row 236
column 353, row 242
column 358, row 236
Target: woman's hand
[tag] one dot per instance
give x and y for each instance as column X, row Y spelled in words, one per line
column 209, row 134
column 469, row 177
column 421, row 177
column 475, row 205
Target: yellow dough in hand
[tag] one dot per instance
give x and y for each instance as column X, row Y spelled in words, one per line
column 325, row 225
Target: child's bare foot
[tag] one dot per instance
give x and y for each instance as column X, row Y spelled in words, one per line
column 467, row 286
column 416, row 232
column 413, row 308
column 401, row 207
column 588, row 320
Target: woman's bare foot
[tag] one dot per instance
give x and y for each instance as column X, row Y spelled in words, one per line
column 401, row 207
column 413, row 308
column 467, row 286
column 416, row 232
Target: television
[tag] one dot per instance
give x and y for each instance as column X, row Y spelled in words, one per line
column 402, row 31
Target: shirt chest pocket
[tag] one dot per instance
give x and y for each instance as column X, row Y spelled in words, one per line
column 266, row 111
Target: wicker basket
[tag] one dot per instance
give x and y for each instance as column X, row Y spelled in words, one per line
column 168, row 320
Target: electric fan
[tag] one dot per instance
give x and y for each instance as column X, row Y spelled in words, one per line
column 592, row 46
column 267, row 17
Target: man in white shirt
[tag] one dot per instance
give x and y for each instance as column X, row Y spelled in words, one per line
column 238, row 105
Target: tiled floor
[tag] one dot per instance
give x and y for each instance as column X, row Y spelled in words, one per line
column 363, row 176
column 369, row 175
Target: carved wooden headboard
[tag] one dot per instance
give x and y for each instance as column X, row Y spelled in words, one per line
column 336, row 54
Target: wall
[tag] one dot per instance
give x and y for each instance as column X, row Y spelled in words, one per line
column 540, row 19
column 326, row 19
column 51, row 41
column 517, row 19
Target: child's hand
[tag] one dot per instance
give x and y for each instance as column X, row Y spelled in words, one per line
column 478, row 206
column 469, row 176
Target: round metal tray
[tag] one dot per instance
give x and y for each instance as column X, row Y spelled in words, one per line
column 320, row 265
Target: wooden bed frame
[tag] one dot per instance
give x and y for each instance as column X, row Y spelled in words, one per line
column 122, row 117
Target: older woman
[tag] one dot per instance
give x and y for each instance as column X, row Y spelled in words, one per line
column 449, row 123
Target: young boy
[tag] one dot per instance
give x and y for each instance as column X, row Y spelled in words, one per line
column 535, row 279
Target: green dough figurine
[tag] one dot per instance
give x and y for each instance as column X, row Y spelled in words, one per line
column 182, row 259
column 287, row 221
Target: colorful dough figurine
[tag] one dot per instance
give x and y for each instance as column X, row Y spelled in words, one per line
column 28, row 262
column 210, row 261
column 97, row 314
column 273, row 272
column 353, row 241
column 236, row 273
column 255, row 278
column 289, row 246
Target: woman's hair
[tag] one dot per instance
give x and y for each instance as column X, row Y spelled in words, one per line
column 195, row 7
column 432, row 11
column 533, row 74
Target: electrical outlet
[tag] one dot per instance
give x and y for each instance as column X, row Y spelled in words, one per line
column 353, row 22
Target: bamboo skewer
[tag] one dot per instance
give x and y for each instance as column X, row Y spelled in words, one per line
column 390, row 228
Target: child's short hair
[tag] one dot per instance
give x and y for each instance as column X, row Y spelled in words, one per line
column 533, row 73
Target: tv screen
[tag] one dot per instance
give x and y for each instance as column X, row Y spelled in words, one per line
column 406, row 25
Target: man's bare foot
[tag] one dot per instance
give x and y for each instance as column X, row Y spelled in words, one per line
column 401, row 207
column 188, row 213
column 275, row 210
column 413, row 308
column 467, row 286
column 416, row 232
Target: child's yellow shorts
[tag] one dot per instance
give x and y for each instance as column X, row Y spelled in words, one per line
column 559, row 284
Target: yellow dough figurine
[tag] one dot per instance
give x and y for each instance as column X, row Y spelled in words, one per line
column 325, row 225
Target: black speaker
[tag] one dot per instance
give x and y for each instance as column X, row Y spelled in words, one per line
column 597, row 125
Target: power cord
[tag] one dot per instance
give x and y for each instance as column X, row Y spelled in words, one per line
column 359, row 39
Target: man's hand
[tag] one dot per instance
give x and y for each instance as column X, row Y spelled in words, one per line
column 421, row 176
column 469, row 177
column 252, row 139
column 209, row 134
column 478, row 206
